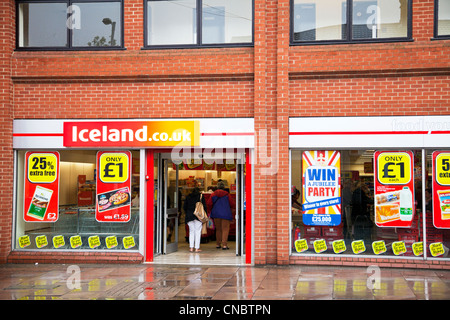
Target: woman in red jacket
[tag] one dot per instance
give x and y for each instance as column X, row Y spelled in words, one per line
column 221, row 204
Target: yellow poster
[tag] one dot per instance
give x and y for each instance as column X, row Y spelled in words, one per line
column 58, row 241
column 339, row 246
column 24, row 241
column 94, row 242
column 128, row 242
column 111, row 242
column 358, row 246
column 321, row 196
column 417, row 248
column 75, row 242
column 437, row 249
column 379, row 247
column 320, row 246
column 398, row 247
column 301, row 245
column 41, row 241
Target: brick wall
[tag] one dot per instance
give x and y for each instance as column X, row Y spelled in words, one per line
column 6, row 154
column 270, row 82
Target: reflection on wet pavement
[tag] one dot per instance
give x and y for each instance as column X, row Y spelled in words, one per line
column 173, row 282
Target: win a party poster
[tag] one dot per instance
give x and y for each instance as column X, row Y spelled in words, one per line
column 321, row 188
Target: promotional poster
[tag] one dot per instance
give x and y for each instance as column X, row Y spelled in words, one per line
column 41, row 188
column 441, row 189
column 321, row 188
column 394, row 188
column 113, row 198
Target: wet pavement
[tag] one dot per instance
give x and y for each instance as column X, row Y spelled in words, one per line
column 244, row 283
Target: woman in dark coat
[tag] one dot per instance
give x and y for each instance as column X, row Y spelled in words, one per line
column 220, row 204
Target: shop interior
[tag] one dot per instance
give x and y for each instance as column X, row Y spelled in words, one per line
column 182, row 178
column 77, row 192
column 358, row 210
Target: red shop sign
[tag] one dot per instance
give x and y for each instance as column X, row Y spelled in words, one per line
column 394, row 188
column 41, row 188
column 113, row 198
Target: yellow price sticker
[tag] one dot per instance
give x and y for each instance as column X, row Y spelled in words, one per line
column 443, row 169
column 339, row 246
column 42, row 168
column 394, row 168
column 41, row 241
column 358, row 246
column 417, row 248
column 75, row 242
column 114, row 167
column 320, row 246
column 128, row 242
column 398, row 247
column 24, row 241
column 111, row 242
column 58, row 241
column 379, row 247
column 301, row 245
column 437, row 249
column 94, row 242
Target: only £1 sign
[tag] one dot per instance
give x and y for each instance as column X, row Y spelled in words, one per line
column 113, row 186
column 394, row 188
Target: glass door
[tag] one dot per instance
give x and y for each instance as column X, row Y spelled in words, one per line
column 240, row 205
column 168, row 204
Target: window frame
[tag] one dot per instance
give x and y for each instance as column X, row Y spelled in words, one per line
column 349, row 30
column 198, row 44
column 69, row 46
column 436, row 36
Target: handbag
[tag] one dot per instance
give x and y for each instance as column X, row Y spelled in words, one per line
column 200, row 212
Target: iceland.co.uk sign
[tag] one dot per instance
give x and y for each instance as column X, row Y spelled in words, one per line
column 132, row 134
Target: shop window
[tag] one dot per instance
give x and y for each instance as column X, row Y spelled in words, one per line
column 54, row 25
column 442, row 19
column 212, row 23
column 369, row 211
column 350, row 21
column 70, row 216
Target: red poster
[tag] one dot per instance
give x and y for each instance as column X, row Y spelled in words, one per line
column 394, row 188
column 113, row 198
column 441, row 189
column 41, row 188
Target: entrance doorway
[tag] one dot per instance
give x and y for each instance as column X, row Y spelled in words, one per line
column 173, row 181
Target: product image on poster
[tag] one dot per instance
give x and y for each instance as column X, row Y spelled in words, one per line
column 321, row 188
column 441, row 189
column 113, row 197
column 41, row 188
column 394, row 188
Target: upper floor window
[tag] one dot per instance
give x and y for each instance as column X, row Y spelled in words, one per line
column 350, row 21
column 442, row 19
column 179, row 23
column 70, row 24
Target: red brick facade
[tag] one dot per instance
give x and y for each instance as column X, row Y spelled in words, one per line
column 269, row 82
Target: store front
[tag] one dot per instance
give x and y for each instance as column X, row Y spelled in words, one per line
column 370, row 187
column 118, row 186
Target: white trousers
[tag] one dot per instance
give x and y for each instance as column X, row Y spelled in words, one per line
column 195, row 233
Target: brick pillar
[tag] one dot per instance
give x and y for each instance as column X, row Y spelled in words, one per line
column 7, row 40
column 282, row 113
column 271, row 113
column 259, row 191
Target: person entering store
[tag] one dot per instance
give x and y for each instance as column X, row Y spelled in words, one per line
column 195, row 226
column 220, row 204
